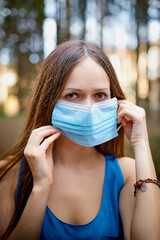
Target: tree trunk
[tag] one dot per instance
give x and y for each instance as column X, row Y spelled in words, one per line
column 68, row 16
column 58, row 21
column 101, row 21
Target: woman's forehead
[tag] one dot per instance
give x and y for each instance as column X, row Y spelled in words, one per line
column 88, row 72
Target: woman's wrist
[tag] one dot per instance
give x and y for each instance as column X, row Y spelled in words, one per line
column 142, row 150
column 144, row 162
column 42, row 186
column 141, row 144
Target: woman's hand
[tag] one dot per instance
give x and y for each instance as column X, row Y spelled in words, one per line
column 133, row 119
column 38, row 153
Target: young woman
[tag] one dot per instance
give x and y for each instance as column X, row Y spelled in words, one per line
column 67, row 176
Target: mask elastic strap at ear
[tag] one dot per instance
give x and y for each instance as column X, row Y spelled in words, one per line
column 119, row 127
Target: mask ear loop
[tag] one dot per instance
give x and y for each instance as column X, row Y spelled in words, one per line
column 119, row 127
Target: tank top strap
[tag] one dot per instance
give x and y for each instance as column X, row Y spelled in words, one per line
column 19, row 177
column 113, row 172
column 114, row 182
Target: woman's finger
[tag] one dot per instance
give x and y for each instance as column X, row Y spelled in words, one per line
column 126, row 114
column 123, row 121
column 124, row 102
column 45, row 144
column 126, row 105
column 43, row 128
column 38, row 136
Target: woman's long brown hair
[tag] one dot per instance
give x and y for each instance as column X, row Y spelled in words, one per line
column 50, row 82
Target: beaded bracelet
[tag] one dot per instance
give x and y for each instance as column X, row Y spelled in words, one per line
column 141, row 184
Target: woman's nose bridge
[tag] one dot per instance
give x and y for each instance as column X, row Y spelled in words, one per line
column 88, row 101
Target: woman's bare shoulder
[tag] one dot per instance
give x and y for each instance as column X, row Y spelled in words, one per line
column 127, row 166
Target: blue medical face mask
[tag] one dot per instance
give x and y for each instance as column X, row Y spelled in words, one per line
column 86, row 125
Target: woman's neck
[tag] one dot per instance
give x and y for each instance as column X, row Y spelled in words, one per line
column 68, row 153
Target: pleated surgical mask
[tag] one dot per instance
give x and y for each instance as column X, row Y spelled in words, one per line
column 87, row 125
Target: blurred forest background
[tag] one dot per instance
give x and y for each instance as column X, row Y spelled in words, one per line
column 127, row 30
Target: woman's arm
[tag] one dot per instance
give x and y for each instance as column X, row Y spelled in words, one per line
column 146, row 213
column 29, row 226
column 30, row 223
column 146, row 216
column 38, row 154
column 126, row 197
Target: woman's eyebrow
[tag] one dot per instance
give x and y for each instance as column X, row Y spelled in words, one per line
column 102, row 89
column 73, row 89
column 80, row 90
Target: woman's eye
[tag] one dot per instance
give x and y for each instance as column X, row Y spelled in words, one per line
column 101, row 96
column 71, row 96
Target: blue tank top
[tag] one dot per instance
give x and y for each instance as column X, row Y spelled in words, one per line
column 106, row 225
